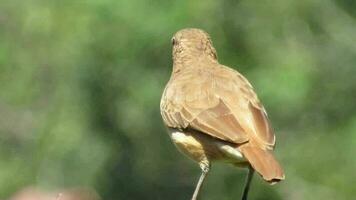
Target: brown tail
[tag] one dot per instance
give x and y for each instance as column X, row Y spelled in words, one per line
column 264, row 163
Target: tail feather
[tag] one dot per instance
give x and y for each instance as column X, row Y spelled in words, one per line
column 264, row 163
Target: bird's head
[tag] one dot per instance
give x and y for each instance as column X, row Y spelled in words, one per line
column 192, row 43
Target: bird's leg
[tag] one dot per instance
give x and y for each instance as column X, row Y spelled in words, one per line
column 204, row 169
column 248, row 182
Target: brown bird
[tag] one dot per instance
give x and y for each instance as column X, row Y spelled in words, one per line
column 213, row 114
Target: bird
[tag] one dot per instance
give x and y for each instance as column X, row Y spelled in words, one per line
column 213, row 114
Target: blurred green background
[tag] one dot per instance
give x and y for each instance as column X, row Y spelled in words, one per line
column 80, row 86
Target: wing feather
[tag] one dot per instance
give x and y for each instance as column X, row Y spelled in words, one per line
column 220, row 122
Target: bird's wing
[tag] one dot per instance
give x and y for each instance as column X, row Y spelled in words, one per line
column 246, row 106
column 220, row 103
column 190, row 102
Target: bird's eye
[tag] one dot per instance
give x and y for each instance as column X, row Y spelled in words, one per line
column 174, row 41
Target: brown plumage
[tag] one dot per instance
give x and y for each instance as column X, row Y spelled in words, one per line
column 204, row 99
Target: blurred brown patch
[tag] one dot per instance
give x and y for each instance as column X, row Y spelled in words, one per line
column 32, row 193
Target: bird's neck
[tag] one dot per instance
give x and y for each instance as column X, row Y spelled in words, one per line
column 188, row 60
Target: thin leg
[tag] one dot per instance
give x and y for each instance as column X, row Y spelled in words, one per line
column 248, row 183
column 205, row 169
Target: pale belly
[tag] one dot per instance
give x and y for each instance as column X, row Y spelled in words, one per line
column 203, row 148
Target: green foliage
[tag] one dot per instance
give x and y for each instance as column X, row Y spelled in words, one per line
column 81, row 84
